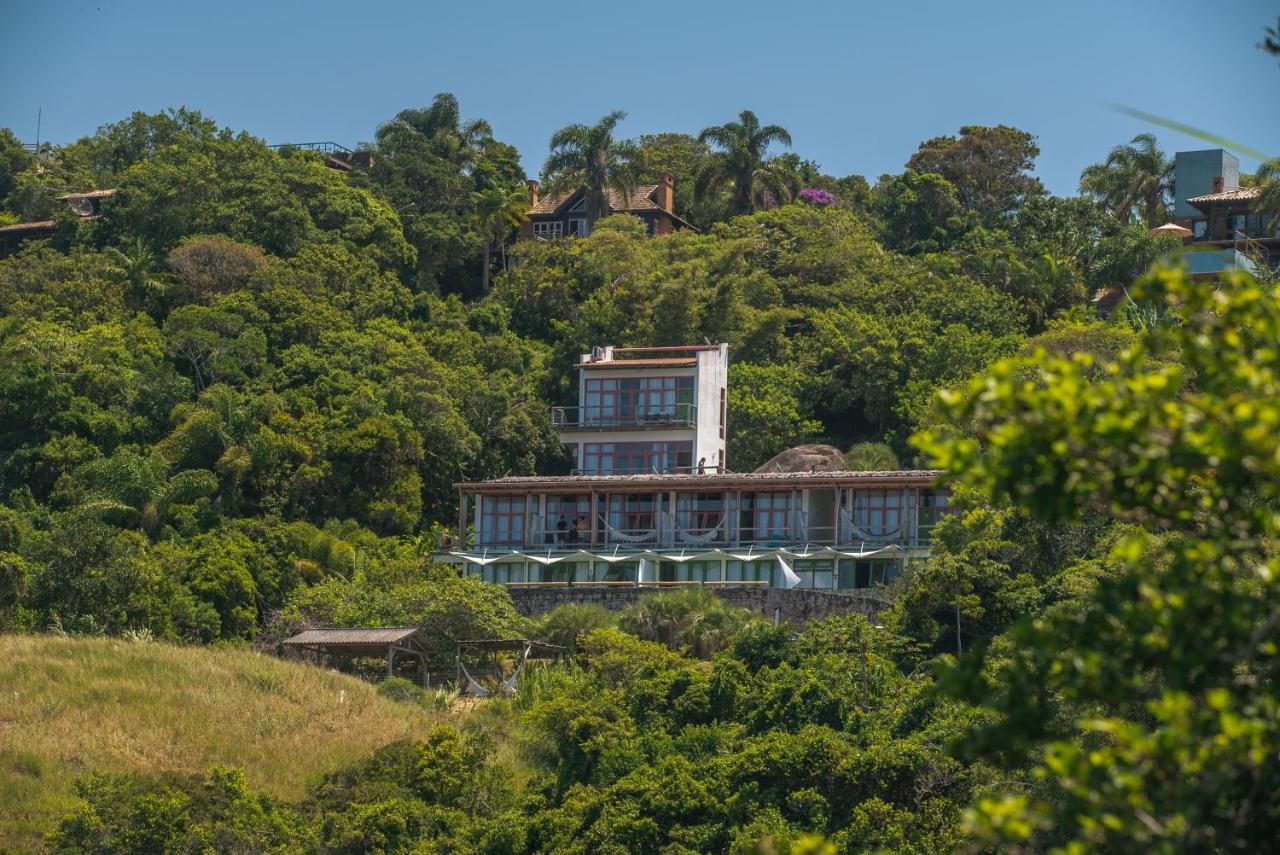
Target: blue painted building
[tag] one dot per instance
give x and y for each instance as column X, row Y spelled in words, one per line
column 1226, row 232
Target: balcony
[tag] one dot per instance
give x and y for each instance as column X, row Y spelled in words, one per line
column 647, row 530
column 658, row 416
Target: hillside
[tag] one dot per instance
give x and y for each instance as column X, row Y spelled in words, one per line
column 76, row 705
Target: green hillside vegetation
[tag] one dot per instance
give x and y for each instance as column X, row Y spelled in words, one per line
column 75, row 706
column 234, row 405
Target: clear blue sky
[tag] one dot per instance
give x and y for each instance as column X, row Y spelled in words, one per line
column 859, row 85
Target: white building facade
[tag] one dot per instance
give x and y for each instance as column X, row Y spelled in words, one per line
column 651, row 500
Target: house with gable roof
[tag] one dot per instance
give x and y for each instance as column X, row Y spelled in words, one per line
column 560, row 214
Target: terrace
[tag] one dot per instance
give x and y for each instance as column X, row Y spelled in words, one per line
column 687, row 513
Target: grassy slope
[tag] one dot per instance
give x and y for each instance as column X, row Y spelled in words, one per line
column 68, row 706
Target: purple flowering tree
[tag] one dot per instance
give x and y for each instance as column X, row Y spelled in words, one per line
column 817, row 197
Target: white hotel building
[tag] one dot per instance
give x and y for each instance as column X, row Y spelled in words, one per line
column 653, row 502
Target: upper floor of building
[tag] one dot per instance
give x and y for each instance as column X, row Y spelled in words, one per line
column 656, row 410
column 1209, row 201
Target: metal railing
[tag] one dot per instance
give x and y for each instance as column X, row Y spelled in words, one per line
column 325, row 147
column 655, row 416
column 683, row 469
column 660, row 534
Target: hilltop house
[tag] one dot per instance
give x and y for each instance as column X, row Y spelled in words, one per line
column 562, row 214
column 1226, row 231
column 651, row 500
column 87, row 206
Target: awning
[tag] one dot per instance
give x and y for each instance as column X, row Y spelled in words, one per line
column 791, row 553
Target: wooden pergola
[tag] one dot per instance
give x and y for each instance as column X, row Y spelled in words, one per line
column 370, row 643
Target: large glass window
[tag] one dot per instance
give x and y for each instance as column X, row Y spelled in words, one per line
column 878, row 513
column 618, row 571
column 632, row 517
column 567, row 521
column 501, row 521
column 505, row 572
column 624, row 458
column 636, row 400
column 765, row 517
column 765, row 570
column 867, row 572
column 562, row 572
column 814, row 573
column 700, row 517
column 699, row 571
column 933, row 506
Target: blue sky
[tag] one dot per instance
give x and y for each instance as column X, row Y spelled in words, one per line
column 859, row 85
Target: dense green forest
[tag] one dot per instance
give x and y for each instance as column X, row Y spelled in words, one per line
column 235, row 403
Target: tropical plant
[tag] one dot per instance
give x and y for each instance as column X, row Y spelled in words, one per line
column 694, row 620
column 742, row 164
column 1267, row 180
column 1134, row 180
column 588, row 156
column 497, row 211
column 441, row 127
column 139, row 264
column 870, row 457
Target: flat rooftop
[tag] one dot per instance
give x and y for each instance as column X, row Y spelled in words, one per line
column 689, row 481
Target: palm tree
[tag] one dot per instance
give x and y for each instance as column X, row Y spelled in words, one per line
column 742, row 163
column 1135, row 179
column 497, row 211
column 139, row 264
column 588, row 156
column 443, row 130
column 1267, row 179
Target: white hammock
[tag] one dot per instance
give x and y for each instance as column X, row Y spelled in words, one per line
column 706, row 537
column 508, row 686
column 865, row 535
column 629, row 538
column 473, row 688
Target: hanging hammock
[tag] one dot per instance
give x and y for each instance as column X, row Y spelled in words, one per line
column 628, row 538
column 508, row 686
column 473, row 688
column 865, row 535
column 704, row 537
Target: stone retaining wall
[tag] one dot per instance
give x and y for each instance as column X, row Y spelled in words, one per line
column 797, row 605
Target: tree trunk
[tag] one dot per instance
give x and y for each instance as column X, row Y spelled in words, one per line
column 488, row 251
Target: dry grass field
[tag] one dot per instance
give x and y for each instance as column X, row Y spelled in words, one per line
column 70, row 706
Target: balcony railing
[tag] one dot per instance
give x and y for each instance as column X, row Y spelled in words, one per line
column 705, row 469
column 324, row 147
column 662, row 533
column 656, row 416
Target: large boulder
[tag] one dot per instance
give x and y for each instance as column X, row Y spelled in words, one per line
column 806, row 458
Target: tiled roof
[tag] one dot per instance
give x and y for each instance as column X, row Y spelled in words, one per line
column 669, row 362
column 639, row 200
column 1241, row 195
column 713, row 481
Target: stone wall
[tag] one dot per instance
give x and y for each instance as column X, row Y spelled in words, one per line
column 797, row 605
